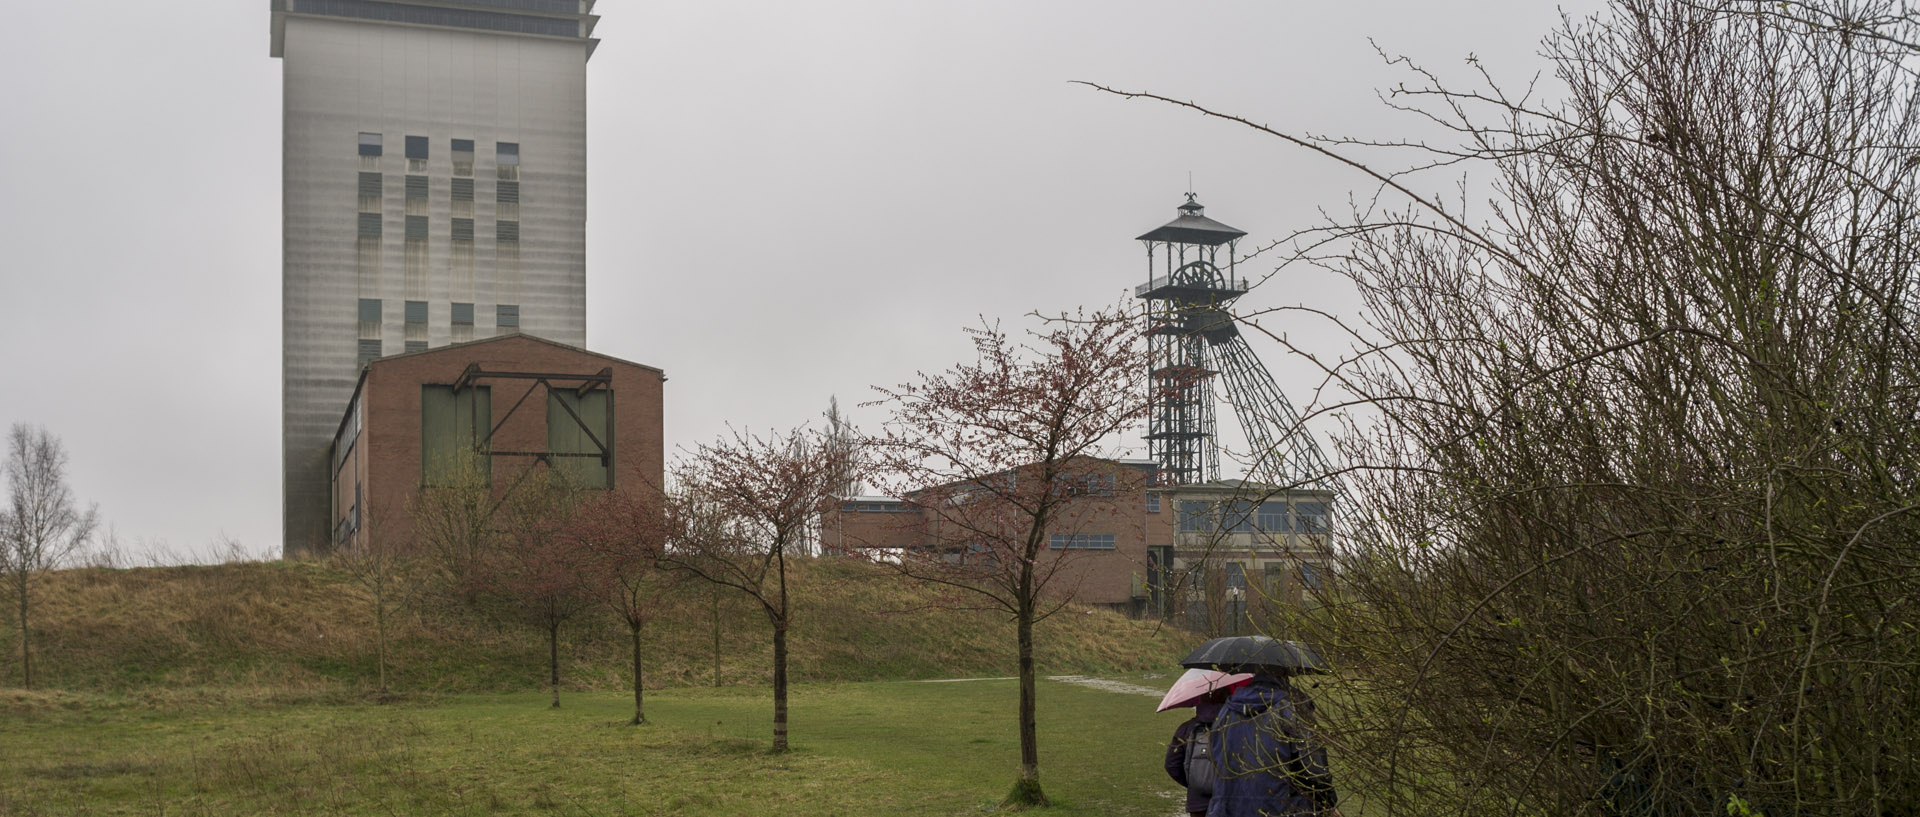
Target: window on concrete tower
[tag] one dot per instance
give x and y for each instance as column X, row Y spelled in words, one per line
column 369, row 144
column 463, row 158
column 417, row 154
column 507, row 316
column 463, row 314
column 506, row 156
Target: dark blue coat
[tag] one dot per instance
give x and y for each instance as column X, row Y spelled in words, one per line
column 1268, row 762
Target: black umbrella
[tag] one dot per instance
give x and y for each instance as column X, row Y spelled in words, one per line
column 1255, row 653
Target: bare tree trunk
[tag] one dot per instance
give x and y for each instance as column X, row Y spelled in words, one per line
column 1026, row 791
column 779, row 686
column 716, row 635
column 639, row 713
column 553, row 661
column 26, row 654
column 380, row 634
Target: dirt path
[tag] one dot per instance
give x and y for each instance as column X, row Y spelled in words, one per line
column 1105, row 684
column 1108, row 684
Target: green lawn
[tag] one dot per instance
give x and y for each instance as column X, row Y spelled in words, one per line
column 902, row 748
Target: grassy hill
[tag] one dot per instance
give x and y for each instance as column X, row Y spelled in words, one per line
column 305, row 628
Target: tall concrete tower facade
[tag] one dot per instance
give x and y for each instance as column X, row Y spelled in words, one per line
column 434, row 191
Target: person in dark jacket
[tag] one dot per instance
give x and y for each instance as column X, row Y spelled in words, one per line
column 1181, row 745
column 1267, row 760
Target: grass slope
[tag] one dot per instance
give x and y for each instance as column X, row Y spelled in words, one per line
column 299, row 630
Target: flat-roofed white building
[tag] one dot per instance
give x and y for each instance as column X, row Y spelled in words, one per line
column 434, row 191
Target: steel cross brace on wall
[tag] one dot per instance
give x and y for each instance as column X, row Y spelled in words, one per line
column 586, row 383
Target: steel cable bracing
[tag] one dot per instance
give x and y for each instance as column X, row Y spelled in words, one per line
column 1283, row 452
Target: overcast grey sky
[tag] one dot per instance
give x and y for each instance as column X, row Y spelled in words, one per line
column 787, row 201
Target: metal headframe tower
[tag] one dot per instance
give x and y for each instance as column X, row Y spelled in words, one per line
column 1192, row 337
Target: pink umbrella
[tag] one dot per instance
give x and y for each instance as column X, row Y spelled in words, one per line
column 1197, row 684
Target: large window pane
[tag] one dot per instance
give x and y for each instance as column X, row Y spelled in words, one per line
column 1195, row 517
column 1311, row 517
column 1273, row 517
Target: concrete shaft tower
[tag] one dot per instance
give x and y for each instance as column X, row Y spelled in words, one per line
column 434, row 190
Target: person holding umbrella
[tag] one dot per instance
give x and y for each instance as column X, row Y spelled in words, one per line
column 1263, row 745
column 1190, row 752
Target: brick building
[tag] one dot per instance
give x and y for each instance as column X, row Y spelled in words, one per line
column 493, row 407
column 1213, row 554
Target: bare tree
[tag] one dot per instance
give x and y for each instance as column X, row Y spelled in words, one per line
column 1003, row 454
column 743, row 509
column 627, row 535
column 543, row 572
column 843, row 439
column 379, row 565
column 1633, row 506
column 41, row 528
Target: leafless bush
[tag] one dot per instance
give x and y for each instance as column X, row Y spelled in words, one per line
column 1633, row 532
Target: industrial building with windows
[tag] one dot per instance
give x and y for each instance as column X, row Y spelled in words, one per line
column 1216, row 555
column 434, row 192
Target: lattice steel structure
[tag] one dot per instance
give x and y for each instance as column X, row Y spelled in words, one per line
column 1193, row 337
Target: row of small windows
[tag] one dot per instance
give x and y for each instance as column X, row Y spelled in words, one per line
column 371, row 226
column 374, row 185
column 416, row 313
column 1244, row 516
column 506, row 317
column 877, row 507
column 1081, row 541
column 373, row 144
